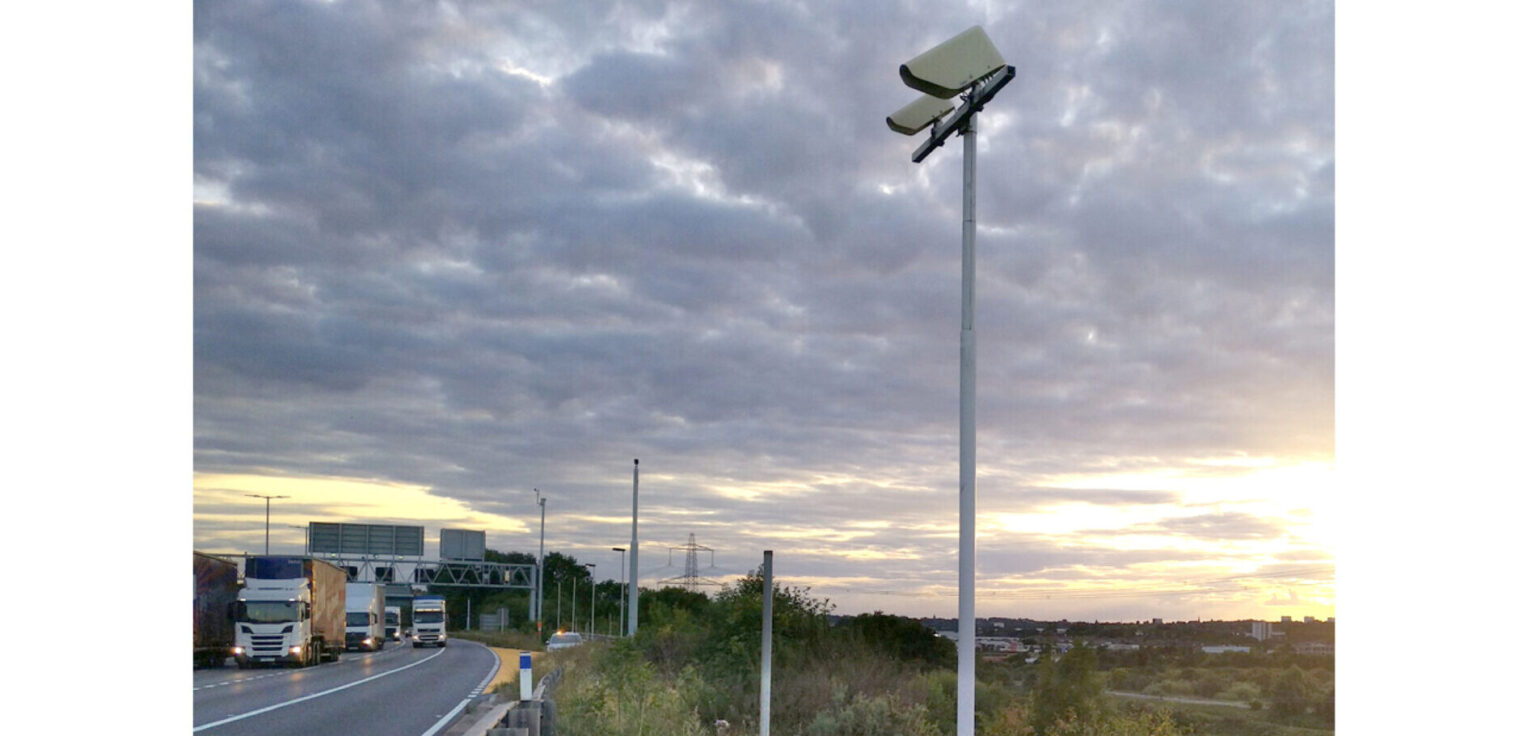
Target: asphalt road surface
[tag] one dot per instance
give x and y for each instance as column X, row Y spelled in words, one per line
column 399, row 691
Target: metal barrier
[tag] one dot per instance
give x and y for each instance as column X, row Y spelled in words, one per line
column 532, row 717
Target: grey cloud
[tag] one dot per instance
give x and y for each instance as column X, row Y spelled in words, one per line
column 430, row 267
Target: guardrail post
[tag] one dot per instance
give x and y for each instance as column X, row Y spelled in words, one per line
column 525, row 676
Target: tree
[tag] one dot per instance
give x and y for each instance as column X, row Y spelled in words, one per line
column 1066, row 690
column 902, row 638
column 1291, row 692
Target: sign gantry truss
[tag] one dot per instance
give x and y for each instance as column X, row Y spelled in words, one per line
column 447, row 573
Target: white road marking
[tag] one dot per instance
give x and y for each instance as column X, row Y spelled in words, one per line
column 445, row 720
column 285, row 704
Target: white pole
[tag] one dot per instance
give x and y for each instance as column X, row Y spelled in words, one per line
column 965, row 716
column 765, row 699
column 622, row 586
column 634, row 557
column 539, row 625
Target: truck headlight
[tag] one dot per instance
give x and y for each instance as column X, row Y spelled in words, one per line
column 239, row 651
column 368, row 641
column 295, row 650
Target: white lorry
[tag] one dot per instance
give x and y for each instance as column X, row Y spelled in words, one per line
column 392, row 623
column 429, row 621
column 365, row 616
column 291, row 611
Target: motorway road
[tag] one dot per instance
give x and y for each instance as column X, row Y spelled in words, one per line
column 399, row 691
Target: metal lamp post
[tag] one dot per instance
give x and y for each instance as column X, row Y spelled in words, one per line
column 622, row 576
column 634, row 557
column 539, row 585
column 591, row 609
column 967, row 64
column 267, row 545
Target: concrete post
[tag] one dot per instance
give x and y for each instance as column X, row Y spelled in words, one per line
column 765, row 696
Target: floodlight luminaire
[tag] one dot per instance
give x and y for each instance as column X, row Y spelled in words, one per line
column 951, row 67
column 921, row 113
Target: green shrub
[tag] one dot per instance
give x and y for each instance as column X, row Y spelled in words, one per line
column 1208, row 684
column 1241, row 691
column 607, row 691
column 880, row 715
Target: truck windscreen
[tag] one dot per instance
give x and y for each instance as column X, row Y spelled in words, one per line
column 357, row 618
column 267, row 612
column 429, row 617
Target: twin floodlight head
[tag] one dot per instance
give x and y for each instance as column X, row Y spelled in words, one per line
column 923, row 112
column 942, row 72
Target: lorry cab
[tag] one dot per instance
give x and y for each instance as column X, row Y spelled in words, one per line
column 392, row 623
column 290, row 611
column 365, row 616
column 272, row 624
column 429, row 621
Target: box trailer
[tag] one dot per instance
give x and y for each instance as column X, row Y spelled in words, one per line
column 215, row 586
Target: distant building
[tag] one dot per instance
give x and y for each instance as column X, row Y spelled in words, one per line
column 1157, row 622
column 1263, row 630
column 1312, row 647
column 1310, row 619
column 1285, row 619
column 1223, row 648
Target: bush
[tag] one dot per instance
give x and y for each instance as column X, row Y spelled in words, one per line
column 862, row 715
column 1291, row 693
column 1208, row 684
column 612, row 690
column 1241, row 691
column 1071, row 686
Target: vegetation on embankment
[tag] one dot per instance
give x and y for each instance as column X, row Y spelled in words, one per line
column 694, row 667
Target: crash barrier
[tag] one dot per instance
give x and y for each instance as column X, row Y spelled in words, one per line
column 532, row 717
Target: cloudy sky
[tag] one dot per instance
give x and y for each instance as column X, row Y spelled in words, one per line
column 448, row 253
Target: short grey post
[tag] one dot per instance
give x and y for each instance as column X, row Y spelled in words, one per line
column 634, row 557
column 525, row 676
column 765, row 697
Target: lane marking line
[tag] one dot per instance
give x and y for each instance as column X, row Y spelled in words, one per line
column 287, row 703
column 475, row 693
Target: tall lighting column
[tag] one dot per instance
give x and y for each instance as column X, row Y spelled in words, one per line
column 591, row 609
column 267, row 545
column 967, row 64
column 539, row 587
column 634, row 557
column 622, row 585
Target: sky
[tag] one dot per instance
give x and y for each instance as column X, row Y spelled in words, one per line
column 143, row 356
column 447, row 253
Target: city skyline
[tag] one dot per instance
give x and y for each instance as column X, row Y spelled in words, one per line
column 445, row 255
